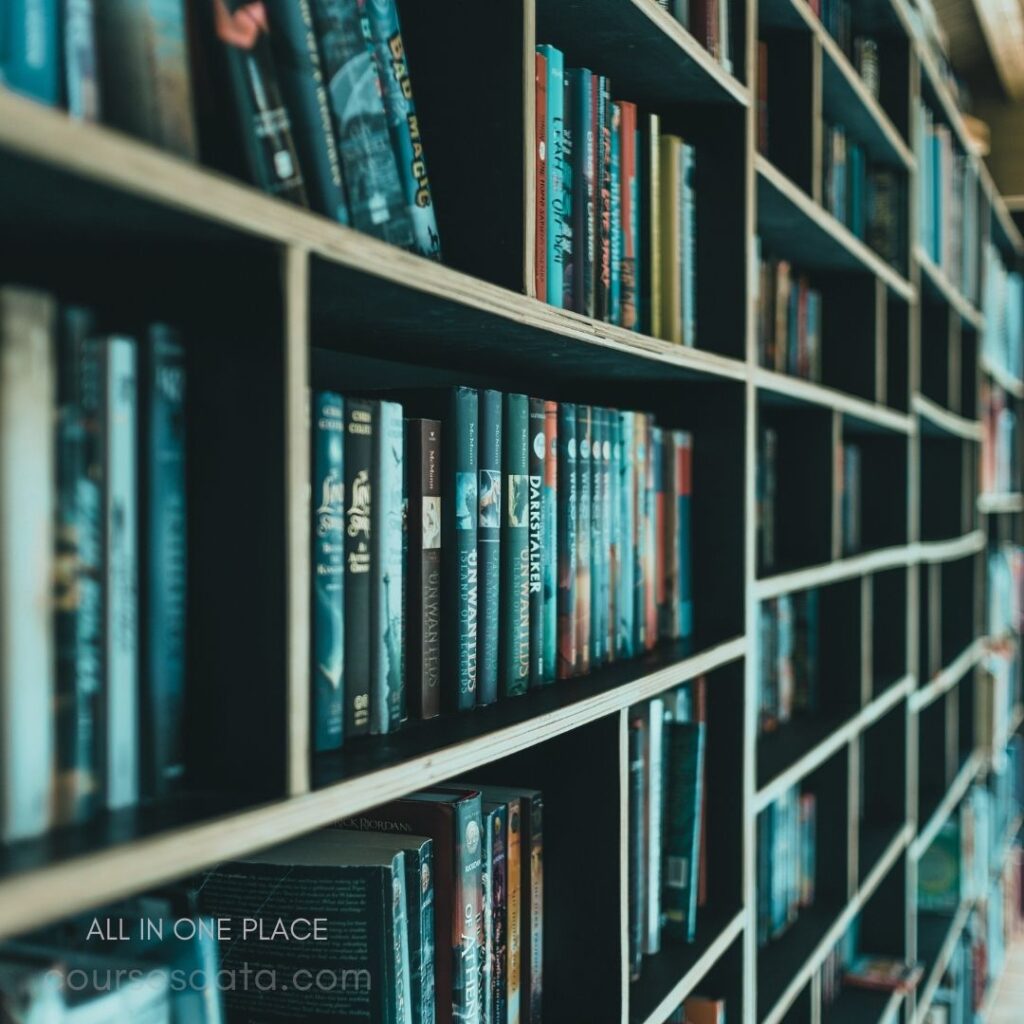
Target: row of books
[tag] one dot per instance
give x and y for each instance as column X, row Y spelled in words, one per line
column 948, row 202
column 1003, row 306
column 1000, row 460
column 93, row 550
column 786, row 862
column 667, row 830
column 544, row 540
column 866, row 198
column 789, row 642
column 788, row 311
column 850, row 492
column 710, row 22
column 319, row 92
column 616, row 215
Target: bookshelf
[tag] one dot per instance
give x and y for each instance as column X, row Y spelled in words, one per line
column 904, row 616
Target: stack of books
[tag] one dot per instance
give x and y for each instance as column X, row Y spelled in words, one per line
column 789, row 643
column 93, row 557
column 616, row 215
column 786, row 854
column 667, row 830
column 789, row 317
column 1003, row 306
column 544, row 540
column 319, row 94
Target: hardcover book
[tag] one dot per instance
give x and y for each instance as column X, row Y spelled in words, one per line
column 550, row 568
column 603, row 197
column 629, row 205
column 555, row 160
column 567, row 520
column 684, row 746
column 584, row 473
column 489, row 547
column 540, row 254
column 580, row 104
column 515, row 544
column 30, row 49
column 535, row 512
column 496, row 908
column 423, row 605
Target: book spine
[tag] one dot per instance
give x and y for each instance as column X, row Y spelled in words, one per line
column 613, row 504
column 301, row 76
column 489, row 546
column 360, row 417
column 659, row 541
column 165, row 561
column 498, row 850
column 486, row 927
column 387, row 668
column 689, row 244
column 629, row 199
column 515, row 543
column 654, row 723
column 685, row 752
column 653, row 563
column 81, row 75
column 637, row 845
column 567, row 502
column 423, row 604
column 549, row 515
column 627, row 525
column 29, row 55
column 400, row 995
column 537, row 460
column 684, row 490
column 541, row 207
column 78, row 597
column 554, row 150
column 514, row 916
column 424, row 885
column 120, row 515
column 603, row 177
column 615, row 213
column 265, row 124
column 580, row 105
column 376, row 201
column 584, row 473
column 641, row 569
column 533, row 884
column 598, row 593
column 655, row 322
column 670, row 222
column 567, row 243
column 460, row 548
column 404, row 124
column 467, row 910
column 27, row 505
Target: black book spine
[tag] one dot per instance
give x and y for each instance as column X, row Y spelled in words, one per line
column 538, row 452
column 489, row 546
column 603, row 190
column 423, row 604
column 360, row 420
column 637, row 845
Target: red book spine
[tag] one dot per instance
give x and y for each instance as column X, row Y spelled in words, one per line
column 628, row 213
column 540, row 249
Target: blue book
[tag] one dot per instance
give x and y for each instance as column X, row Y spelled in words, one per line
column 627, row 528
column 549, row 514
column 403, row 124
column 937, row 193
column 387, row 668
column 615, row 232
column 614, row 514
column 598, row 553
column 81, row 64
column 328, row 571
column 689, row 244
column 584, row 476
column 164, row 575
column 489, row 546
column 515, row 548
column 30, row 48
column 856, row 189
column 581, row 120
column 554, row 128
column 567, row 501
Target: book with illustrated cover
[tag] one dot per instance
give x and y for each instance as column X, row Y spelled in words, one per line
column 537, row 450
column 567, row 548
column 549, row 514
column 515, row 544
column 584, row 474
column 423, row 621
column 490, row 492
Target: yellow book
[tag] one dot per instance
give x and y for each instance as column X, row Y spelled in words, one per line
column 670, row 216
column 654, row 220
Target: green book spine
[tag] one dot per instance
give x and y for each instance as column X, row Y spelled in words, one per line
column 613, row 505
column 549, row 514
column 567, row 483
column 640, row 566
column 538, row 448
column 469, row 848
column 400, row 995
column 627, row 525
column 489, row 546
column 585, row 473
column 515, row 543
column 598, row 566
column 684, row 751
column 387, row 668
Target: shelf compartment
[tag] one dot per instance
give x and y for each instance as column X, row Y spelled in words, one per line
column 888, row 603
column 935, row 421
column 863, row 1006
column 937, row 935
column 947, row 473
column 943, row 804
column 881, row 786
column 936, row 287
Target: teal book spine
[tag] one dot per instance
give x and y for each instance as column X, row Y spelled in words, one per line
column 581, row 121
column 689, row 218
column 387, row 666
column 564, row 228
column 423, row 882
column 515, row 545
column 567, row 500
column 459, row 548
column 489, row 545
column 613, row 504
column 164, row 563
column 627, row 526
column 403, row 123
column 537, row 458
column 640, row 509
column 81, row 63
column 554, row 125
column 615, row 231
column 598, row 560
column 360, row 423
column 79, row 596
column 400, row 989
column 602, row 197
column 549, row 515
column 30, row 49
column 469, row 848
column 585, row 473
column 684, row 744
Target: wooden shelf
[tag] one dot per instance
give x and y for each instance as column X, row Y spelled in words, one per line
column 936, row 285
column 945, row 680
column 926, row 835
column 1005, row 380
column 1000, row 504
column 940, row 422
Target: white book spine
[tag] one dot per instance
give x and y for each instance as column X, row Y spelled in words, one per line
column 27, row 500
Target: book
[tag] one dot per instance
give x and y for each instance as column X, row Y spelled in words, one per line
column 653, row 275
column 515, row 545
column 699, row 1010
column 940, row 873
column 554, row 171
column 637, row 844
column 624, row 604
column 360, row 426
column 629, row 200
column 603, row 197
column 514, row 911
column 81, row 64
column 30, row 40
column 387, row 564
column 584, row 474
column 565, row 242
column 496, row 909
column 615, row 206
column 581, row 120
column 688, row 231
column 669, row 213
column 884, row 974
column 27, row 506
column 489, row 546
column 536, row 464
column 119, row 723
column 403, row 123
column 600, row 523
column 568, row 657
column 376, row 202
column 684, row 747
column 655, row 803
column 144, row 69
column 550, row 566
column 540, row 254
column 613, row 511
column 423, row 621
column 164, row 562
column 300, row 75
